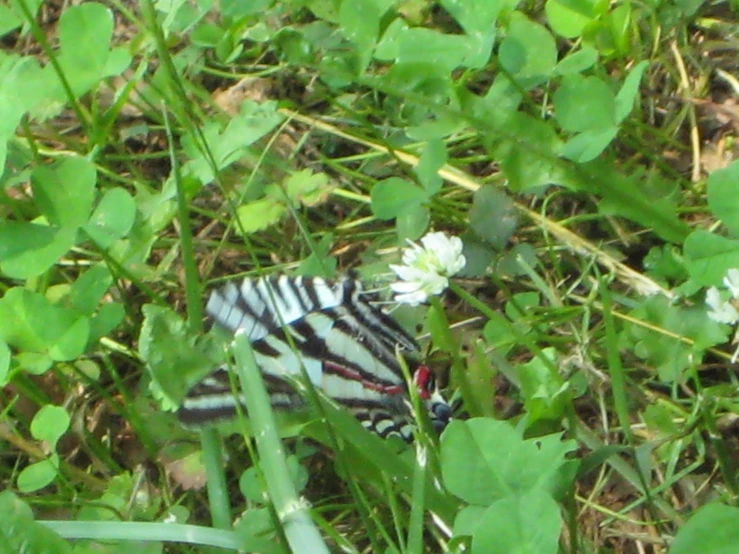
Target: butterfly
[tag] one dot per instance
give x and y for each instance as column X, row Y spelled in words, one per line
column 334, row 330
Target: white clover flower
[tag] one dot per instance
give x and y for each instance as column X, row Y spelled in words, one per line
column 721, row 311
column 426, row 269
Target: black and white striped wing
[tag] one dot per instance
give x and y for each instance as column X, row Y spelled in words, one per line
column 261, row 306
column 346, row 345
column 345, row 370
column 278, row 357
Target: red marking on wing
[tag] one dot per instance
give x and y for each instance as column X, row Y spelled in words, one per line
column 422, row 380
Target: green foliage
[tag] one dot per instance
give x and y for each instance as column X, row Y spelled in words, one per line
column 11, row 15
column 709, row 255
column 216, row 147
column 393, row 197
column 48, row 425
column 492, row 217
column 29, row 322
column 22, row 89
column 175, row 359
column 722, row 198
column 119, row 501
column 546, row 393
column 64, row 192
column 4, row 363
column 507, row 483
column 302, row 188
column 571, row 18
column 112, row 219
column 20, row 533
column 533, row 511
column 109, row 168
column 528, row 52
column 653, row 338
column 252, row 486
column 712, row 529
column 588, row 107
column 409, row 203
column 85, row 56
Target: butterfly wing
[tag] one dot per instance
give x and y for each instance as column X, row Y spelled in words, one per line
column 259, row 307
column 346, row 345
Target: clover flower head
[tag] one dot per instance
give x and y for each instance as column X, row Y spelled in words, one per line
column 720, row 308
column 426, row 268
column 723, row 306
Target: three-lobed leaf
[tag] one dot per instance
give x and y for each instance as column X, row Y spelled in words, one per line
column 484, row 460
column 28, row 249
column 112, row 218
column 438, row 52
column 528, row 52
column 493, row 216
column 412, row 223
column 360, row 21
column 584, row 103
column 65, row 191
column 29, row 322
column 395, row 196
column 85, row 34
column 476, row 16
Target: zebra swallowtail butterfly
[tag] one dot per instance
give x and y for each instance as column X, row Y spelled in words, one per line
column 346, row 344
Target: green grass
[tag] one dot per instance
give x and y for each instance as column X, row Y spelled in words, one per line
column 582, row 153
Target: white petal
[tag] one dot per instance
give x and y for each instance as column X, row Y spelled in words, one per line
column 712, row 298
column 732, row 282
column 445, row 252
column 405, row 287
column 408, row 273
column 412, row 298
column 425, row 268
column 721, row 312
column 435, row 241
column 435, row 283
column 411, row 254
column 457, row 265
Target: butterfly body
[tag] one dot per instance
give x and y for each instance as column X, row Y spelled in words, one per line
column 329, row 329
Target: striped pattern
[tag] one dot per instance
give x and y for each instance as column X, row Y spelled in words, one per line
column 346, row 345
